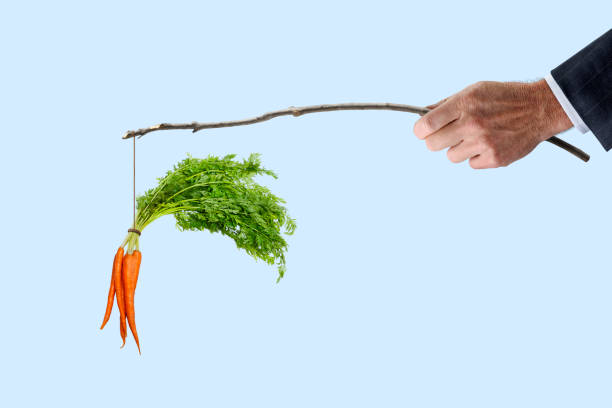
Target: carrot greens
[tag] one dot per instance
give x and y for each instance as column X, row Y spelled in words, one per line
column 219, row 194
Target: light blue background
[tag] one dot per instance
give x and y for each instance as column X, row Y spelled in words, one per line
column 412, row 282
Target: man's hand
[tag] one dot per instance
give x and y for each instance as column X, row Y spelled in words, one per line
column 493, row 123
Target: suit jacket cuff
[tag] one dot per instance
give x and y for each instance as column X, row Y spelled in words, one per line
column 568, row 108
column 585, row 79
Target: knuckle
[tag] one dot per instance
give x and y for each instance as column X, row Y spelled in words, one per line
column 474, row 94
column 477, row 85
column 482, row 84
column 475, row 88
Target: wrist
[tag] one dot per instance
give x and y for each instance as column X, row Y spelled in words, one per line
column 548, row 114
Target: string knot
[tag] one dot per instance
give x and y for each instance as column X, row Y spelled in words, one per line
column 135, row 231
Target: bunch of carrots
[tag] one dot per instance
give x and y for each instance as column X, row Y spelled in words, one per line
column 123, row 287
column 217, row 194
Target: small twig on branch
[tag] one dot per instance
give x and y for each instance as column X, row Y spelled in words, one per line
column 303, row 110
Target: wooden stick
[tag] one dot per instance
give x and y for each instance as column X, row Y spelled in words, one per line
column 303, row 110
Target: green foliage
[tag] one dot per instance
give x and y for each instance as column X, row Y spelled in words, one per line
column 219, row 195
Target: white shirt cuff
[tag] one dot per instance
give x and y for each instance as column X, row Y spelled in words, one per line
column 566, row 105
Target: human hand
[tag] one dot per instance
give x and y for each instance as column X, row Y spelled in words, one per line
column 492, row 123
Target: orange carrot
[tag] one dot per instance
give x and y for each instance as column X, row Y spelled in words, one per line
column 131, row 267
column 111, row 292
column 121, row 298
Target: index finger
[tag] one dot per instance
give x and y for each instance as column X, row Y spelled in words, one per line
column 436, row 119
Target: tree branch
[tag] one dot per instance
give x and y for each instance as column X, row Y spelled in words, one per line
column 303, row 110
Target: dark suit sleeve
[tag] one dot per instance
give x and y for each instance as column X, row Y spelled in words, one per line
column 586, row 81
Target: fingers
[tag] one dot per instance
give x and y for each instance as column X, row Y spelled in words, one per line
column 436, row 119
column 462, row 151
column 449, row 135
column 481, row 162
column 461, row 145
